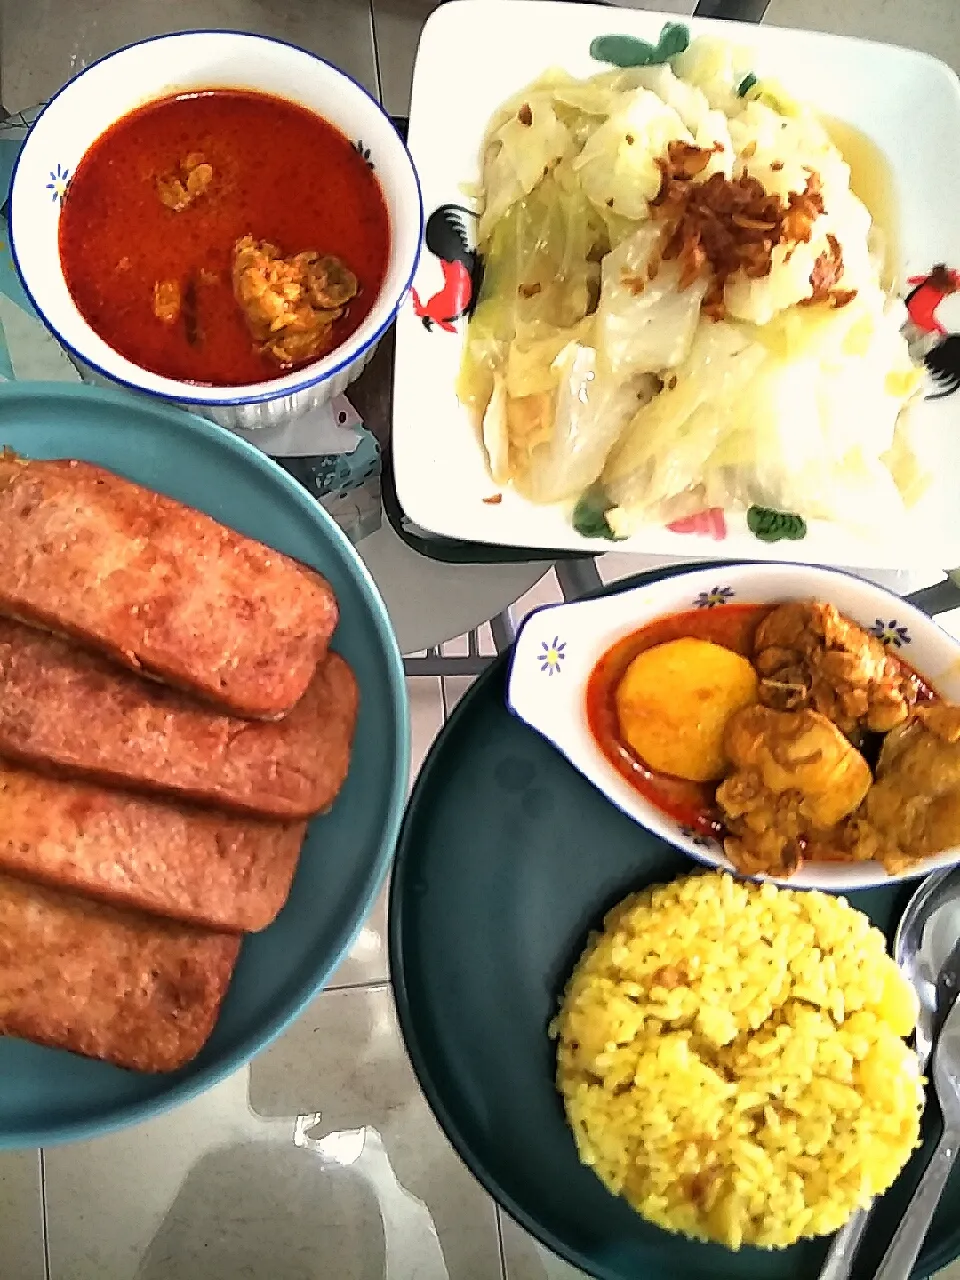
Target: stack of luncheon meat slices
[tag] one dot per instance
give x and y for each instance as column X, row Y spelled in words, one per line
column 170, row 717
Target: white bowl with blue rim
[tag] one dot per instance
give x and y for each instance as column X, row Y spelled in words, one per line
column 559, row 646
column 180, row 63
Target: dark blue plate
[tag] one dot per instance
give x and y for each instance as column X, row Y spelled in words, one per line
column 507, row 858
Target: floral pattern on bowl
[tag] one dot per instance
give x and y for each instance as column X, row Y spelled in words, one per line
column 571, row 638
column 716, row 595
column 59, row 182
column 552, row 654
column 891, row 632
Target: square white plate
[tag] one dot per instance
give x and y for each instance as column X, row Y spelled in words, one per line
column 475, row 53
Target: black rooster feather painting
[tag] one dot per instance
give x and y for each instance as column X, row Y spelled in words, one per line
column 941, row 349
column 448, row 240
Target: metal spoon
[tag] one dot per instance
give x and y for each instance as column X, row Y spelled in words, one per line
column 909, row 1236
column 926, row 949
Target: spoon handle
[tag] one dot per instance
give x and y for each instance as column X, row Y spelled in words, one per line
column 839, row 1261
column 908, row 1240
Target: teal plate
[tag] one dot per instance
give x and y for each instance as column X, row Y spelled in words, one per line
column 507, row 858
column 50, row 1096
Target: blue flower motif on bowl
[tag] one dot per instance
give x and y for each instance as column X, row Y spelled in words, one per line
column 891, row 632
column 715, row 596
column 59, row 181
column 551, row 655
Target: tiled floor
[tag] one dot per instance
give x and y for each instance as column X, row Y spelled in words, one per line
column 320, row 1160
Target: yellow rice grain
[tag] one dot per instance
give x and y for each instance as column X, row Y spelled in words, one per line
column 732, row 1062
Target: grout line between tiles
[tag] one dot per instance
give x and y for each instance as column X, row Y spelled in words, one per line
column 371, row 984
column 44, row 1223
column 444, row 704
column 376, row 50
column 498, row 1218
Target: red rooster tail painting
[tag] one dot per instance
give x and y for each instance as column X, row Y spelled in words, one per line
column 941, row 350
column 447, row 239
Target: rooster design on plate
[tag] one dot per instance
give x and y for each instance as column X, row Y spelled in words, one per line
column 931, row 341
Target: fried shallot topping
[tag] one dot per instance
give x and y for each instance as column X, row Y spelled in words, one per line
column 826, row 274
column 724, row 225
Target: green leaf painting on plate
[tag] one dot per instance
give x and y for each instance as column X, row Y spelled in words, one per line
column 629, row 51
column 590, row 514
column 774, row 526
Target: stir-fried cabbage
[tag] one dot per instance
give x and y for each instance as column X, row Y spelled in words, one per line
column 539, row 283
column 667, row 444
column 617, row 167
column 596, row 356
column 552, row 443
column 717, row 68
column 517, row 158
column 647, row 329
column 799, row 416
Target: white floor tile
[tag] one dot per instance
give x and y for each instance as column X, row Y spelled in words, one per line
column 485, row 637
column 426, row 718
column 398, row 25
column 930, row 25
column 679, row 7
column 345, row 1059
column 320, row 1160
column 107, row 1199
column 454, row 687
column 615, row 565
column 950, row 622
column 75, row 34
column 546, row 591
column 458, row 647
column 21, row 1224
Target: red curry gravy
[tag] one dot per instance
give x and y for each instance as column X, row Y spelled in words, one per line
column 279, row 173
column 692, row 804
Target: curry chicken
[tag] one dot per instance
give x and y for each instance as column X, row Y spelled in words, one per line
column 837, row 751
column 794, row 774
column 224, row 238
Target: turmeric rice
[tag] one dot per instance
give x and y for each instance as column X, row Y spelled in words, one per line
column 731, row 1059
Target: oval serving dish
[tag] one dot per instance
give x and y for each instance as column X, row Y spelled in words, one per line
column 559, row 647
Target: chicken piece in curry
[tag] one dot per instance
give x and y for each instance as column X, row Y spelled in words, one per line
column 913, row 808
column 166, row 300
column 187, row 183
column 290, row 304
column 795, row 778
column 808, row 654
